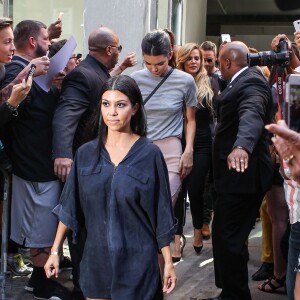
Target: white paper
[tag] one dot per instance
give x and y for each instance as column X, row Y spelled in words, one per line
column 57, row 63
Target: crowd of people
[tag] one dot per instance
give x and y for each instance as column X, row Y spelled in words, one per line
column 108, row 161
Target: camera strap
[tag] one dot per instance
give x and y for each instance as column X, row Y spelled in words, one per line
column 280, row 88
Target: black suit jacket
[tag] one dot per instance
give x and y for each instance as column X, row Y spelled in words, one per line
column 243, row 109
column 79, row 98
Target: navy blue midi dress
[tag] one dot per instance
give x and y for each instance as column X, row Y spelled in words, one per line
column 127, row 213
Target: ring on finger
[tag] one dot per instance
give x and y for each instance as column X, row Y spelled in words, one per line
column 288, row 159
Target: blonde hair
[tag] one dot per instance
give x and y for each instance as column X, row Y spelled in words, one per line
column 202, row 80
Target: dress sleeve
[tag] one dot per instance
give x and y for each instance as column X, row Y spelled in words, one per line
column 165, row 222
column 69, row 210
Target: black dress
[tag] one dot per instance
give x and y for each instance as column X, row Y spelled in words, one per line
column 127, row 212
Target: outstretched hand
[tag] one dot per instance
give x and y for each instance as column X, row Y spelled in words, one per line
column 129, row 61
column 55, row 29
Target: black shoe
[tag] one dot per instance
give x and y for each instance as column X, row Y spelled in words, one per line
column 51, row 290
column 265, row 271
column 176, row 259
column 198, row 249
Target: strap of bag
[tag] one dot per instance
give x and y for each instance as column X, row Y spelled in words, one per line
column 157, row 87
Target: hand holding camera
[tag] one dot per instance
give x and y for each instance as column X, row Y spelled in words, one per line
column 281, row 54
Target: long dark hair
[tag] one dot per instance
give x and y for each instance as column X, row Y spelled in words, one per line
column 156, row 42
column 126, row 85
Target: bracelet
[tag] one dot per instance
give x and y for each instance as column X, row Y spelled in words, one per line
column 13, row 110
column 54, row 253
column 121, row 68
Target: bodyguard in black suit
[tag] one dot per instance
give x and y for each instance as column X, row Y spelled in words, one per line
column 242, row 167
column 80, row 96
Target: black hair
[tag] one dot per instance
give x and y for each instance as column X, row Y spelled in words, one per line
column 156, row 42
column 26, row 29
column 55, row 47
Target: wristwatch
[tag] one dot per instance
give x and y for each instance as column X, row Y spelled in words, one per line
column 14, row 110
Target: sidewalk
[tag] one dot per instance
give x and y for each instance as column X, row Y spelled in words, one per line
column 195, row 273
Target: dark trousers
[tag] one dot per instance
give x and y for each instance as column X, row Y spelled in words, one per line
column 195, row 185
column 233, row 220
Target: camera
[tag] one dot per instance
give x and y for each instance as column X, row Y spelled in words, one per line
column 281, row 57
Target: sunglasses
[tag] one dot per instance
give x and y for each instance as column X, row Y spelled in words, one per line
column 210, row 60
column 118, row 47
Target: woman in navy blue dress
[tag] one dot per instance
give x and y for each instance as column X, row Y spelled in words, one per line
column 118, row 190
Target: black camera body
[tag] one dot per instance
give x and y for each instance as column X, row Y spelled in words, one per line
column 281, row 57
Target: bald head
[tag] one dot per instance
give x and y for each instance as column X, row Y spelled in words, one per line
column 104, row 46
column 232, row 58
column 100, row 38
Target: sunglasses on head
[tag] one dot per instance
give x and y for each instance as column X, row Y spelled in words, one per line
column 210, row 60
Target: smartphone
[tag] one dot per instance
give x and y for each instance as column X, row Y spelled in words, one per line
column 291, row 108
column 60, row 16
column 30, row 72
column 297, row 25
column 225, row 38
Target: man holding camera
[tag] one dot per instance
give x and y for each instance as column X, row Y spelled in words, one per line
column 242, row 167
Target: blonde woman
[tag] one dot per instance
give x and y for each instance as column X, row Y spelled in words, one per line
column 190, row 60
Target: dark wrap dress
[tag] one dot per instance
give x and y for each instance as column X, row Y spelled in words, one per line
column 127, row 213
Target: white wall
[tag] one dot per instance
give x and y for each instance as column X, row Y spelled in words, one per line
column 47, row 12
column 130, row 19
column 194, row 21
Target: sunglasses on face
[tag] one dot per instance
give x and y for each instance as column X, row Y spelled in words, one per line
column 210, row 60
column 118, row 47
